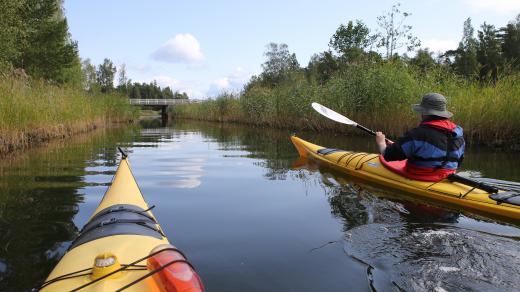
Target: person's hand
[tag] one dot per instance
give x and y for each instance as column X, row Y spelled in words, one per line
column 381, row 142
column 380, row 138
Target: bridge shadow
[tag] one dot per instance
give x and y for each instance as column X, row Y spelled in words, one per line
column 161, row 105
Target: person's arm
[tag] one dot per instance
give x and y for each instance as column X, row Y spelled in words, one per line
column 391, row 152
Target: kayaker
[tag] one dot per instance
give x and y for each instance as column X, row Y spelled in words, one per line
column 434, row 149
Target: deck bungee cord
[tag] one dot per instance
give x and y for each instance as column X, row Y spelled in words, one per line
column 123, row 268
column 486, row 196
column 121, row 227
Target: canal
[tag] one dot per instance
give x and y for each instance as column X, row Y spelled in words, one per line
column 251, row 217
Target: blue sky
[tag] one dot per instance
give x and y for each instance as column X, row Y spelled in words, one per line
column 205, row 47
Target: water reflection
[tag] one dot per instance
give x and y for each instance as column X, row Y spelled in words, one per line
column 406, row 244
column 40, row 193
column 252, row 216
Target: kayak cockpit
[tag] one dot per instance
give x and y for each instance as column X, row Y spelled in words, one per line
column 117, row 220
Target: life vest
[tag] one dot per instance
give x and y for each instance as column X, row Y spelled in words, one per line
column 434, row 150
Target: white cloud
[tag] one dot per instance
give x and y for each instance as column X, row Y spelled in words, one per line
column 437, row 45
column 164, row 81
column 233, row 82
column 193, row 88
column 499, row 6
column 199, row 89
column 183, row 48
column 222, row 82
column 140, row 68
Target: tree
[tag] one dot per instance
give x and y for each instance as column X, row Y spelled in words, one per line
column 89, row 71
column 47, row 50
column 122, row 80
column 322, row 66
column 395, row 34
column 34, row 37
column 510, row 37
column 11, row 32
column 423, row 60
column 135, row 91
column 73, row 74
column 167, row 92
column 466, row 62
column 489, row 52
column 178, row 95
column 280, row 62
column 351, row 40
column 105, row 75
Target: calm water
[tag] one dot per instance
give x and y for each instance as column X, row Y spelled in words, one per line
column 251, row 218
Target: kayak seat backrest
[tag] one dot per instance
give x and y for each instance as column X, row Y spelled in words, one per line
column 399, row 167
column 326, row 151
column 117, row 220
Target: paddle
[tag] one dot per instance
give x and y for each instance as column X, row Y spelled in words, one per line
column 501, row 184
column 327, row 112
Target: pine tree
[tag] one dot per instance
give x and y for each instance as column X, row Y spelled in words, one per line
column 489, row 52
column 47, row 51
column 466, row 62
column 11, row 32
column 510, row 37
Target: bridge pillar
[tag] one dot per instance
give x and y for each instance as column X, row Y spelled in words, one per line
column 164, row 115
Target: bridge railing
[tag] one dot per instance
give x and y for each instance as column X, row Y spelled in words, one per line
column 136, row 101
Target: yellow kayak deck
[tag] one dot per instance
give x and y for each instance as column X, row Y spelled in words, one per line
column 133, row 237
column 367, row 166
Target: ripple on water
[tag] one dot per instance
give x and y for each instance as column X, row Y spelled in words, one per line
column 441, row 258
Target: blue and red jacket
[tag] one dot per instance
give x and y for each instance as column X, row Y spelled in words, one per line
column 433, row 150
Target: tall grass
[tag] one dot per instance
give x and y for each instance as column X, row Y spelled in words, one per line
column 378, row 95
column 225, row 108
column 35, row 111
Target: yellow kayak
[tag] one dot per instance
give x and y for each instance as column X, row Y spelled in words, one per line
column 368, row 167
column 122, row 247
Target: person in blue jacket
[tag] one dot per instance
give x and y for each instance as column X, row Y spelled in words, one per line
column 434, row 149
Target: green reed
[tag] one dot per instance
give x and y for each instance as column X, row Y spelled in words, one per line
column 377, row 95
column 32, row 111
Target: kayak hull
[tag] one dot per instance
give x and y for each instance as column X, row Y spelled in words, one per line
column 367, row 166
column 122, row 225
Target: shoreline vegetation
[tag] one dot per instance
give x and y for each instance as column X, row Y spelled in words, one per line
column 364, row 77
column 488, row 113
column 33, row 112
column 46, row 90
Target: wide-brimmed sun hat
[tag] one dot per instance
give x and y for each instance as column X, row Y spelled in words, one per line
column 433, row 104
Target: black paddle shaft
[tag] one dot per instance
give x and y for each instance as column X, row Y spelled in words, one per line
column 452, row 177
column 472, row 183
column 371, row 132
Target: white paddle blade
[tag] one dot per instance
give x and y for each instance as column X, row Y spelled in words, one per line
column 327, row 112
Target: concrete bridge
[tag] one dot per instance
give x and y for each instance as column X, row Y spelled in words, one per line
column 160, row 104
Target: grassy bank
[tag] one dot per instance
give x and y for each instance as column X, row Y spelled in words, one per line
column 377, row 95
column 32, row 112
